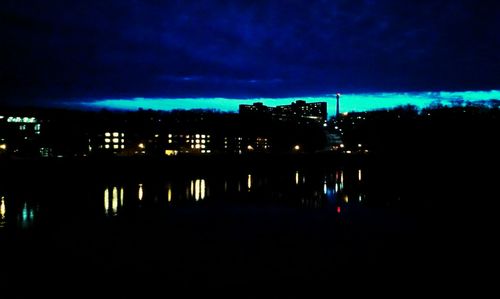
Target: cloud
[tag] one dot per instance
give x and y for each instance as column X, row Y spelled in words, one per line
column 111, row 48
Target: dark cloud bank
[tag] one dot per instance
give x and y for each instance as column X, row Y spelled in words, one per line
column 59, row 49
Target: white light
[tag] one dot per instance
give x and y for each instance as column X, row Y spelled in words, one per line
column 169, row 135
column 116, row 134
column 197, row 146
column 115, row 146
column 114, row 204
column 297, row 147
column 170, row 141
column 359, row 145
column 296, row 177
column 106, row 146
column 359, row 175
column 197, row 191
column 197, row 135
column 3, row 146
column 249, row 181
column 141, row 192
column 202, row 146
column 209, row 151
column 342, row 145
column 202, row 183
column 202, row 136
column 2, row 208
column 156, row 135
column 107, row 140
column 106, row 201
column 122, row 146
column 141, row 145
column 116, row 140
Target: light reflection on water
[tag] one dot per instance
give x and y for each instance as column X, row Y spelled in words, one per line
column 318, row 191
column 113, row 201
column 338, row 188
column 2, row 211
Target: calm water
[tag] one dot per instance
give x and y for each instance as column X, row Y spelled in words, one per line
column 24, row 207
column 295, row 230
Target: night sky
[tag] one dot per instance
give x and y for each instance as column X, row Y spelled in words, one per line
column 74, row 51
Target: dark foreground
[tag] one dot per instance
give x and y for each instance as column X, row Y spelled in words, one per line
column 416, row 231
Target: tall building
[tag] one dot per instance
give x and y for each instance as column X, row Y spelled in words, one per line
column 299, row 112
column 20, row 136
column 302, row 113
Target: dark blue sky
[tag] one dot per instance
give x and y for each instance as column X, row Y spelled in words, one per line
column 58, row 49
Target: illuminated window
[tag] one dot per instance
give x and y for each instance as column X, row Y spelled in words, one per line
column 122, row 146
column 115, row 146
column 106, row 146
column 171, row 152
column 202, row 146
column 202, row 151
column 123, row 140
column 116, row 134
column 203, row 141
column 197, row 146
column 170, row 141
column 107, row 134
column 107, row 140
column 197, row 135
column 116, row 140
column 202, row 136
column 169, row 135
column 208, row 151
column 192, row 145
column 123, row 134
column 197, row 140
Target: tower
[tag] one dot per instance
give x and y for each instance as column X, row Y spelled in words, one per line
column 338, row 105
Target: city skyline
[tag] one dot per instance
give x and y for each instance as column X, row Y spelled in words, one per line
column 349, row 102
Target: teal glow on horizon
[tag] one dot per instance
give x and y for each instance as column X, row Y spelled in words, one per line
column 348, row 102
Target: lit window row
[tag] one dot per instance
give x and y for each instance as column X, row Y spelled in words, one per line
column 18, row 119
column 115, row 146
column 115, row 134
column 115, row 140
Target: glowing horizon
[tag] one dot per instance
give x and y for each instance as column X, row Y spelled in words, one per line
column 349, row 102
